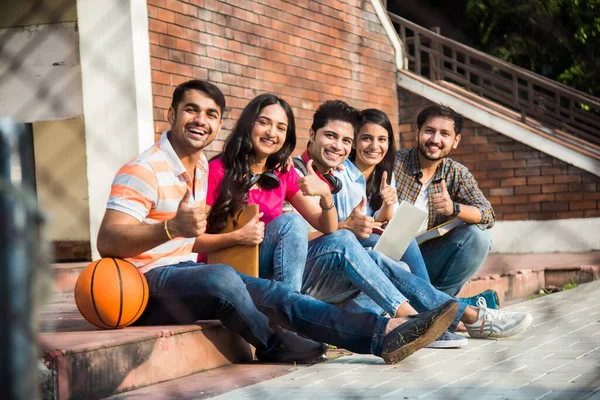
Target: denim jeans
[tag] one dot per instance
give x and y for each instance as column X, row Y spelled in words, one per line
column 254, row 308
column 419, row 292
column 455, row 257
column 338, row 268
column 412, row 256
column 282, row 253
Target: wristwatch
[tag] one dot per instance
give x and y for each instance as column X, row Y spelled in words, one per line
column 456, row 209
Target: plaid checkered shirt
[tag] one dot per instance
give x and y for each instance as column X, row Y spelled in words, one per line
column 461, row 185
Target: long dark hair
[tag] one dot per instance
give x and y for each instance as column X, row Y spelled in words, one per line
column 374, row 116
column 236, row 158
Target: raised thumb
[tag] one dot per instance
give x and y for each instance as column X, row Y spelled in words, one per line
column 186, row 198
column 443, row 186
column 383, row 180
column 360, row 207
column 309, row 167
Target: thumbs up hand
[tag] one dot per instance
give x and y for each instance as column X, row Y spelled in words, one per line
column 359, row 223
column 311, row 184
column 388, row 193
column 442, row 203
column 253, row 232
column 190, row 220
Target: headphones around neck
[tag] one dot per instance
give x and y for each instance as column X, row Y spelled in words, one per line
column 335, row 183
column 266, row 180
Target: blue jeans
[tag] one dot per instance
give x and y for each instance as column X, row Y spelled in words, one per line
column 337, row 268
column 412, row 256
column 419, row 292
column 282, row 253
column 254, row 308
column 455, row 257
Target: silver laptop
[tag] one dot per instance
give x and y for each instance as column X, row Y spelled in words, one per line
column 402, row 228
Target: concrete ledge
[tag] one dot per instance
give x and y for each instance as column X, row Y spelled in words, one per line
column 82, row 362
column 64, row 276
column 581, row 274
column 518, row 285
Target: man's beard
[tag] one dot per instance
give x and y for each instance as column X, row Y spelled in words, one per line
column 424, row 153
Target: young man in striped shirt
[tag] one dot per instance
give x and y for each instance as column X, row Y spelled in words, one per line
column 154, row 215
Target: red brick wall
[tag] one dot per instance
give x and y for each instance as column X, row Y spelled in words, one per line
column 306, row 51
column 520, row 182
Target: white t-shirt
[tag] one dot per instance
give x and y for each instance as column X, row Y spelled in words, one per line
column 422, row 203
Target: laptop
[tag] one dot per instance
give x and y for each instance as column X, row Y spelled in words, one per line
column 402, row 228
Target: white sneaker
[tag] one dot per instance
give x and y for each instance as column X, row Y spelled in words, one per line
column 497, row 323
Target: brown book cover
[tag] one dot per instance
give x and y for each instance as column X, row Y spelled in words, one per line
column 243, row 258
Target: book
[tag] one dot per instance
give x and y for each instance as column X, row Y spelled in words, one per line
column 400, row 231
column 439, row 231
column 242, row 258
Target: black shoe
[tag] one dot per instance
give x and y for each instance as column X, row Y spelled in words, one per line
column 419, row 331
column 293, row 348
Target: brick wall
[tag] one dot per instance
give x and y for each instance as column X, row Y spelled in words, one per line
column 520, row 182
column 306, row 51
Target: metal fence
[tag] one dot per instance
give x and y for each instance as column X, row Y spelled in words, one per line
column 23, row 264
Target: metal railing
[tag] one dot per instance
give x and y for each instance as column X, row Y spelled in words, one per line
column 552, row 104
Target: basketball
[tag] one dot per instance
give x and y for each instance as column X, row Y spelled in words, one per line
column 111, row 293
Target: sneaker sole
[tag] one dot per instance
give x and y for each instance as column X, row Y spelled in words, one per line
column 448, row 344
column 439, row 326
column 307, row 359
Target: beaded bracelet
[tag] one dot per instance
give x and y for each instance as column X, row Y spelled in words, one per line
column 327, row 208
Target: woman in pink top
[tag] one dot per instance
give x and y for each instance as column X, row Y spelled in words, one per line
column 251, row 170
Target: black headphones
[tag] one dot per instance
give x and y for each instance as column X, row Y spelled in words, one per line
column 267, row 180
column 335, row 183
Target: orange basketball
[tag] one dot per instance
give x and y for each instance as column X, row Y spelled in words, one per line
column 111, row 293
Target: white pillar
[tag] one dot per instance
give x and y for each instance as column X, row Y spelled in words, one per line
column 381, row 11
column 117, row 93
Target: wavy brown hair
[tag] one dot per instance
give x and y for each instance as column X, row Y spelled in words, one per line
column 236, row 157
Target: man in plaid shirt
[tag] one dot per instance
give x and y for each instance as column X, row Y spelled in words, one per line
column 426, row 177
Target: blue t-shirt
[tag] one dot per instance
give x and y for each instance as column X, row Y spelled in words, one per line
column 354, row 188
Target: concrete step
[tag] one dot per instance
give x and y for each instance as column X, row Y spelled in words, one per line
column 212, row 383
column 64, row 276
column 81, row 361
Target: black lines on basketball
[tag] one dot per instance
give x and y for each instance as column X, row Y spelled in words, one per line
column 92, row 294
column 120, row 292
column 142, row 303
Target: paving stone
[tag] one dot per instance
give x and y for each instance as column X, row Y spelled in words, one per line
column 558, row 358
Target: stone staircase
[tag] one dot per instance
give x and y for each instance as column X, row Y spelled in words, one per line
column 81, row 361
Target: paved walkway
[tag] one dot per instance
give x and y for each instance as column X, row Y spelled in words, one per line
column 558, row 358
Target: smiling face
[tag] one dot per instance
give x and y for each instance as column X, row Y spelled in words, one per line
column 436, row 139
column 195, row 123
column 269, row 131
column 372, row 144
column 331, row 144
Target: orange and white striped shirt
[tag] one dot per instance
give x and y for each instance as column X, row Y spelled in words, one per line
column 149, row 188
